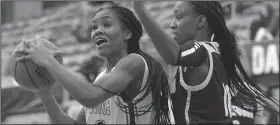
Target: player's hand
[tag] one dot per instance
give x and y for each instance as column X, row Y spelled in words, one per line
column 46, row 93
column 138, row 6
column 39, row 54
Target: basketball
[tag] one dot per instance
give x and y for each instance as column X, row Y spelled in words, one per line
column 29, row 75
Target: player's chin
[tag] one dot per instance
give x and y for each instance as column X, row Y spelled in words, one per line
column 102, row 52
column 176, row 38
column 179, row 41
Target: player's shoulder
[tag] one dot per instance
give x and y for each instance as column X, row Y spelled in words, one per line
column 132, row 60
column 212, row 46
column 209, row 46
column 132, row 63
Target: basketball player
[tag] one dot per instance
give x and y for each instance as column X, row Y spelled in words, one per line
column 133, row 88
column 204, row 70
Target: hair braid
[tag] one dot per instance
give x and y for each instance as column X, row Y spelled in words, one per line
column 237, row 77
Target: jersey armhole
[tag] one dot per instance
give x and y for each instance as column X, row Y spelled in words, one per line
column 145, row 78
column 209, row 74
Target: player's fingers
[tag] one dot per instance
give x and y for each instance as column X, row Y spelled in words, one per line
column 24, row 41
column 39, row 41
column 22, row 58
column 23, row 51
column 29, row 44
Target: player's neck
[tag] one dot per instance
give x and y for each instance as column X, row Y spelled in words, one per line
column 202, row 36
column 112, row 60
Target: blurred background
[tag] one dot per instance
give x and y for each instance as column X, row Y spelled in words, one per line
column 255, row 26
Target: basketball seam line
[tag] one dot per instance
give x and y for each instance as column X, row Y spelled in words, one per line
column 30, row 76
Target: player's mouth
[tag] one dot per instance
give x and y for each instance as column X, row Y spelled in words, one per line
column 100, row 41
column 174, row 35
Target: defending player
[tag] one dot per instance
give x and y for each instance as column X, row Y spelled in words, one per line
column 204, row 70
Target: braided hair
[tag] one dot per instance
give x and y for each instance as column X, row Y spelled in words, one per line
column 238, row 79
column 157, row 82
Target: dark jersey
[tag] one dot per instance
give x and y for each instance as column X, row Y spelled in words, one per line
column 241, row 116
column 200, row 93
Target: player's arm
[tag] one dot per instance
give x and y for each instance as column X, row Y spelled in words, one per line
column 127, row 70
column 191, row 54
column 165, row 45
column 81, row 119
column 55, row 112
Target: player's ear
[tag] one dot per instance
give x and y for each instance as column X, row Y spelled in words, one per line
column 201, row 20
column 127, row 34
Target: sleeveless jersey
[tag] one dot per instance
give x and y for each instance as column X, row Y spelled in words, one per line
column 206, row 102
column 108, row 112
column 241, row 116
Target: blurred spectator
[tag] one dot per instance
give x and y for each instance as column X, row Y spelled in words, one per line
column 266, row 28
column 81, row 33
column 266, row 17
column 91, row 68
column 241, row 6
column 54, row 35
column 102, row 4
column 269, row 32
column 82, row 26
column 273, row 26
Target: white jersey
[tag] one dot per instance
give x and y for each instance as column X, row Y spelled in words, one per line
column 108, row 112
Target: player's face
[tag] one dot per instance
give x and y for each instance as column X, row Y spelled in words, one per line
column 107, row 33
column 184, row 24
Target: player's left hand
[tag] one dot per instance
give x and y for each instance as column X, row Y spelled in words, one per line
column 48, row 92
column 39, row 54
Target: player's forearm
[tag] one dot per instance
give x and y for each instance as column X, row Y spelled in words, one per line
column 77, row 86
column 165, row 45
column 55, row 112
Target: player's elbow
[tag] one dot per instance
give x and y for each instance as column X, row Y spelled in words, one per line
column 170, row 60
column 87, row 105
column 87, row 102
column 93, row 99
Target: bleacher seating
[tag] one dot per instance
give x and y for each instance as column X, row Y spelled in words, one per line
column 74, row 52
column 58, row 23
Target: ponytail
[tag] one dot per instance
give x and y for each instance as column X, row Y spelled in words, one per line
column 238, row 79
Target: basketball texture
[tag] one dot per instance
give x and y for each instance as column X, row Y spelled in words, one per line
column 29, row 75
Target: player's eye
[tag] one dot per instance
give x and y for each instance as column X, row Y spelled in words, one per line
column 94, row 27
column 107, row 24
column 178, row 17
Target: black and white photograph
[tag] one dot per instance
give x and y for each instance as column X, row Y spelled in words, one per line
column 139, row 62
